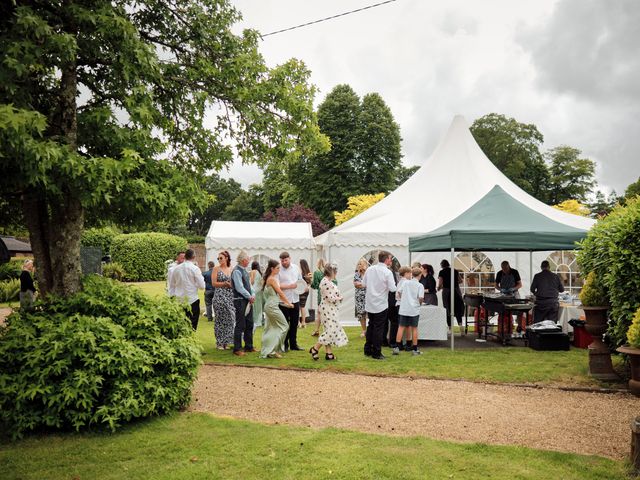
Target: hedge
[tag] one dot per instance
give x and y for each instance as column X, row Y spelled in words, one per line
column 100, row 237
column 143, row 255
column 100, row 358
column 612, row 251
column 12, row 269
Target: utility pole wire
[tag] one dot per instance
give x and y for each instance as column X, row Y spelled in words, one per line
column 328, row 18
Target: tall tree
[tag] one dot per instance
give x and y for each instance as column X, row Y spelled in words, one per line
column 571, row 177
column 248, row 206
column 364, row 156
column 514, row 148
column 632, row 190
column 222, row 193
column 103, row 106
column 378, row 157
column 404, row 173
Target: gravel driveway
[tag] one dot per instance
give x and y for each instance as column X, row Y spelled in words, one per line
column 543, row 418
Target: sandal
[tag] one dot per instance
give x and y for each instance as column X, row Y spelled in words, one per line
column 314, row 353
column 316, row 333
column 329, row 356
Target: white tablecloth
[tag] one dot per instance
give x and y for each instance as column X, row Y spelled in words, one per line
column 566, row 313
column 433, row 323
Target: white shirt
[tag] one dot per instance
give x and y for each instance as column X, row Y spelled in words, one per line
column 379, row 281
column 288, row 276
column 411, row 291
column 169, row 270
column 185, row 280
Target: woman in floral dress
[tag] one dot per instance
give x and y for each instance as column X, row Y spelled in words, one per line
column 333, row 334
column 225, row 312
column 361, row 291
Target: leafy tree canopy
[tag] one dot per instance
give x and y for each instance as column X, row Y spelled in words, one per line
column 105, row 109
column 571, row 177
column 573, row 206
column 356, row 205
column 632, row 190
column 297, row 213
column 221, row 193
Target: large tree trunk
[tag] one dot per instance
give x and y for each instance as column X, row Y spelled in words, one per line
column 55, row 223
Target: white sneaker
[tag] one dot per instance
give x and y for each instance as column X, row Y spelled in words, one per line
column 396, row 351
column 416, row 352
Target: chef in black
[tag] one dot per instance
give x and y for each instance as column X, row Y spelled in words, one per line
column 545, row 286
column 508, row 282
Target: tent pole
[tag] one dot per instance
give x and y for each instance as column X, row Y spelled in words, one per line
column 452, row 308
column 530, row 269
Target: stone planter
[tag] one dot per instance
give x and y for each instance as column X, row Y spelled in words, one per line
column 600, row 365
column 634, row 359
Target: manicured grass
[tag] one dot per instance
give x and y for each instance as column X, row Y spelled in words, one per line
column 194, row 446
column 499, row 364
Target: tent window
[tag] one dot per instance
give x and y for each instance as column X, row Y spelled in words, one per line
column 565, row 265
column 372, row 258
column 477, row 272
column 263, row 260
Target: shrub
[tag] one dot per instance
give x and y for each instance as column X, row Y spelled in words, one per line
column 593, row 293
column 114, row 270
column 9, row 290
column 143, row 255
column 612, row 250
column 633, row 334
column 12, row 269
column 100, row 237
column 102, row 357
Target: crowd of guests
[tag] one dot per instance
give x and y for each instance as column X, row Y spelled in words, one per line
column 238, row 300
column 387, row 301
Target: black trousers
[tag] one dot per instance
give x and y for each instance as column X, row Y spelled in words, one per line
column 293, row 317
column 546, row 311
column 393, row 321
column 244, row 326
column 375, row 332
column 193, row 314
column 458, row 303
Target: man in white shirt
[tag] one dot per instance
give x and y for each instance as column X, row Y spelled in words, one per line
column 184, row 282
column 179, row 259
column 379, row 281
column 288, row 278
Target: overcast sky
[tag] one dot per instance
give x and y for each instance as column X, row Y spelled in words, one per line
column 571, row 67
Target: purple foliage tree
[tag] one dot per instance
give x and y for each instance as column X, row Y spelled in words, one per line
column 297, row 213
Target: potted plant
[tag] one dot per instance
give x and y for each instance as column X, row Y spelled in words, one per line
column 632, row 349
column 595, row 305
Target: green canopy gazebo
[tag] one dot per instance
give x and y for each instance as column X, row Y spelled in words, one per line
column 497, row 222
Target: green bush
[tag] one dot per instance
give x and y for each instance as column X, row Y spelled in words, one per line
column 143, row 255
column 114, row 270
column 593, row 293
column 100, row 237
column 612, row 250
column 9, row 290
column 102, row 357
column 633, row 334
column 12, row 269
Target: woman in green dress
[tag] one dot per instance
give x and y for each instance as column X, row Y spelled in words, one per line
column 255, row 277
column 276, row 326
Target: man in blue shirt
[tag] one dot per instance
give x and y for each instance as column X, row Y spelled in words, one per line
column 242, row 297
column 208, row 291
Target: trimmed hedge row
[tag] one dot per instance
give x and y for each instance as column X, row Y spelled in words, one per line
column 143, row 255
column 99, row 358
column 100, row 237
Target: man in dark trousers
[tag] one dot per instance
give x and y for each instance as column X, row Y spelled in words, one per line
column 379, row 281
column 545, row 286
column 242, row 297
column 288, row 277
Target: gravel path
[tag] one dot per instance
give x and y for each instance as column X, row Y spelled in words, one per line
column 547, row 418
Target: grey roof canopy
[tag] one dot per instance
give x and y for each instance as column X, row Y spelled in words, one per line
column 499, row 222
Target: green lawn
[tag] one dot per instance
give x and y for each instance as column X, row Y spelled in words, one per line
column 499, row 364
column 195, row 446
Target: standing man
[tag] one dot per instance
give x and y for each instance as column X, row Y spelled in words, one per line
column 379, row 281
column 546, row 286
column 508, row 282
column 288, row 278
column 208, row 290
column 184, row 282
column 179, row 260
column 242, row 297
